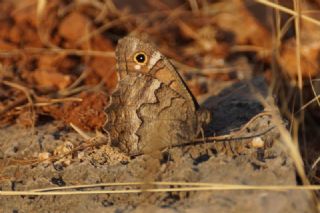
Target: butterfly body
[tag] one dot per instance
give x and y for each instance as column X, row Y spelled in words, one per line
column 152, row 107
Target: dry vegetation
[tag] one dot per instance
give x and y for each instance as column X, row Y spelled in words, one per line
column 57, row 61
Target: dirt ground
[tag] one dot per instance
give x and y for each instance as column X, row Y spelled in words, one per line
column 201, row 163
column 57, row 67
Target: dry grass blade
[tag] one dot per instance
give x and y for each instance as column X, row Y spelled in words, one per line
column 80, row 132
column 297, row 7
column 315, row 163
column 15, row 104
column 27, row 93
column 194, row 184
column 289, row 11
column 58, row 51
column 51, row 102
column 313, row 90
column 287, row 139
column 315, row 99
column 194, row 6
column 40, row 7
column 208, row 187
column 104, row 27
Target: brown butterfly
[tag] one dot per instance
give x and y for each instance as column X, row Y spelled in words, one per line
column 152, row 107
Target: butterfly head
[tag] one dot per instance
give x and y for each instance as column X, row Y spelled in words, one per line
column 135, row 55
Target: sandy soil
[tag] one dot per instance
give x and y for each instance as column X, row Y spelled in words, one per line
column 216, row 163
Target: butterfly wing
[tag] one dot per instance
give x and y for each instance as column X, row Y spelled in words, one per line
column 155, row 64
column 152, row 107
column 146, row 115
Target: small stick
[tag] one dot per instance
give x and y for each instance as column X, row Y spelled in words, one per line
column 229, row 136
column 17, row 102
column 51, row 102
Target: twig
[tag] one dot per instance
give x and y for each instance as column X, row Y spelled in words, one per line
column 28, row 97
column 51, row 102
column 12, row 105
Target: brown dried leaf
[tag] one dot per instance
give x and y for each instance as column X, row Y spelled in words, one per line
column 87, row 115
column 51, row 78
column 73, row 26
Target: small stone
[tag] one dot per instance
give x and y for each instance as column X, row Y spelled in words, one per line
column 257, row 142
column 43, row 156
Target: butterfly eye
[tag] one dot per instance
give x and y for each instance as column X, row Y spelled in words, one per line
column 140, row 58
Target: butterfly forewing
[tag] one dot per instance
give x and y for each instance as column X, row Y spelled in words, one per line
column 156, row 65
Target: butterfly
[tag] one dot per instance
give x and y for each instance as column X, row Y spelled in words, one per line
column 152, row 107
